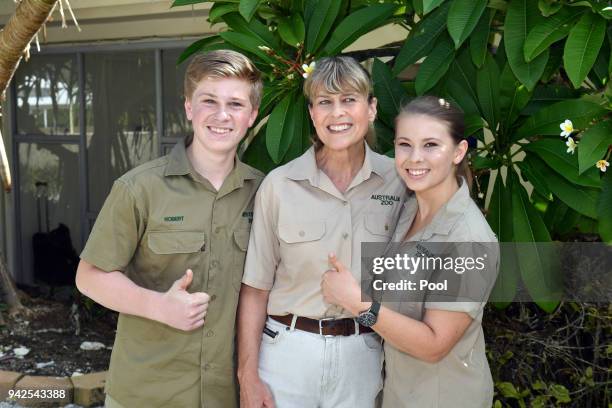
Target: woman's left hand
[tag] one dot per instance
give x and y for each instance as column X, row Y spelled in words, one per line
column 339, row 287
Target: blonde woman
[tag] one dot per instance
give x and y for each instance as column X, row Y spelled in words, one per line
column 294, row 349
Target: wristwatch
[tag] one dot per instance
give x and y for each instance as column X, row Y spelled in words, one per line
column 368, row 317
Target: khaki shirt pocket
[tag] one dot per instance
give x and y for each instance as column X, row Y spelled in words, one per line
column 241, row 243
column 379, row 226
column 169, row 254
column 176, row 242
column 298, row 233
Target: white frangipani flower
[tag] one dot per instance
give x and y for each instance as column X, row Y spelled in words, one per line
column 308, row 69
column 571, row 145
column 602, row 165
column 567, row 128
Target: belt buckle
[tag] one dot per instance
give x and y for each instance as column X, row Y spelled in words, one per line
column 321, row 326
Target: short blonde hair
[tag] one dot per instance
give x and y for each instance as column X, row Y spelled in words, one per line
column 223, row 64
column 335, row 75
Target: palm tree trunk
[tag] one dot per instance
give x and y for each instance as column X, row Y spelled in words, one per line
column 17, row 34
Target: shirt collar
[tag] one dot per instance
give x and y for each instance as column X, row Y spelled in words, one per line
column 444, row 220
column 179, row 165
column 305, row 167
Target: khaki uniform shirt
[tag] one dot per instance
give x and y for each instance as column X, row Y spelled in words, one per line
column 160, row 219
column 300, row 217
column 463, row 377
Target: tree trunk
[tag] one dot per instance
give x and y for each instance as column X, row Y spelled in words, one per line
column 18, row 33
column 9, row 291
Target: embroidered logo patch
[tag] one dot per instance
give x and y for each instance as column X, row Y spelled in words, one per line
column 248, row 215
column 174, row 218
column 385, row 199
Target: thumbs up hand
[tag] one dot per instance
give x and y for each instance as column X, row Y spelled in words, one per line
column 338, row 285
column 181, row 309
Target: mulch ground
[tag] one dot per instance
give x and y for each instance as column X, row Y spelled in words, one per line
column 53, row 329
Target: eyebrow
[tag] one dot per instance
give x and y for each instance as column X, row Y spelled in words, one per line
column 210, row 95
column 327, row 95
column 428, row 139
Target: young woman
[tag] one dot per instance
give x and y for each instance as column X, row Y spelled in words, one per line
column 434, row 351
column 294, row 349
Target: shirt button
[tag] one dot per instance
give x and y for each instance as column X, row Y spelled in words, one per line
column 301, row 233
column 215, row 263
column 213, row 297
column 217, row 230
column 345, row 235
column 345, row 203
column 210, row 333
column 206, row 366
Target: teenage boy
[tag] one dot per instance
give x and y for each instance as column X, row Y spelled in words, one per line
column 168, row 248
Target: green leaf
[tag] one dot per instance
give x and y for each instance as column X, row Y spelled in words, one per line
column 600, row 74
column 546, row 95
column 388, row 91
column 385, row 138
column 581, row 199
column 460, row 83
column 547, row 120
column 521, row 17
column 487, row 88
column 255, row 29
column 594, row 143
column 508, row 390
column 292, row 30
column 553, row 152
column 218, row 10
column 197, row 47
column 479, row 40
column 248, row 8
column 560, row 218
column 357, row 24
column 463, row 16
column 270, row 97
column 418, row 7
column 280, row 129
column 513, row 97
column 246, row 43
column 582, row 46
column 549, row 31
column 421, row 39
column 429, row 5
column 560, row 393
column 435, row 65
column 534, row 176
column 256, row 153
column 535, row 263
column 480, row 162
column 177, row 3
column 555, row 61
column 321, row 21
column 604, row 208
column 499, row 216
column 301, row 135
column 549, row 7
column 473, row 123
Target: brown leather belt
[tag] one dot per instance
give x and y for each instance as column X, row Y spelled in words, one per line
column 324, row 327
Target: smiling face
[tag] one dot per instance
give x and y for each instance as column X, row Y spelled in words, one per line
column 425, row 153
column 221, row 113
column 341, row 120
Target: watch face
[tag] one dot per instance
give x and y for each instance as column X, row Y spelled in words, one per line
column 367, row 319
